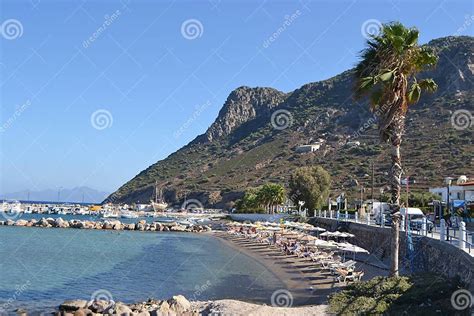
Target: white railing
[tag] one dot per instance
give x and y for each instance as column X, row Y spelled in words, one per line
column 459, row 237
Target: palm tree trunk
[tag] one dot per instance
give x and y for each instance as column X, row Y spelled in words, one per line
column 395, row 177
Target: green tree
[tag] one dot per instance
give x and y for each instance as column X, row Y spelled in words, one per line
column 387, row 74
column 271, row 195
column 310, row 185
column 249, row 201
column 266, row 197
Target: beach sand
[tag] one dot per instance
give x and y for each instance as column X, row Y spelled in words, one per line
column 308, row 286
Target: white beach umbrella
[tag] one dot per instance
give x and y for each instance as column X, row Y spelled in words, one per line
column 348, row 247
column 324, row 244
column 346, row 235
column 327, row 234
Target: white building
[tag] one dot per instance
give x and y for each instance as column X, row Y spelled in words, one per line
column 308, row 148
column 463, row 191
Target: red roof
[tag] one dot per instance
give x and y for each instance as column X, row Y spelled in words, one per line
column 467, row 183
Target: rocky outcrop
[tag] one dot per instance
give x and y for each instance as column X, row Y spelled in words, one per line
column 242, row 105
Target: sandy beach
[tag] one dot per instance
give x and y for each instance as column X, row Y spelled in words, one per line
column 308, row 286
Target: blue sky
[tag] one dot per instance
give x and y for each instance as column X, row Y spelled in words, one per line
column 92, row 92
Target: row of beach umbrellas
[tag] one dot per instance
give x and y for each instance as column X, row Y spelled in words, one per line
column 310, row 240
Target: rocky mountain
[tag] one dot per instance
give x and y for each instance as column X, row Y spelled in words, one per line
column 255, row 136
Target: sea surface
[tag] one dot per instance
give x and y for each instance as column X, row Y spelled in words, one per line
column 40, row 268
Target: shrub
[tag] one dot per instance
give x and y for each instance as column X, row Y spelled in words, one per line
column 415, row 295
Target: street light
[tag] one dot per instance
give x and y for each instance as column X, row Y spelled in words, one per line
column 448, row 181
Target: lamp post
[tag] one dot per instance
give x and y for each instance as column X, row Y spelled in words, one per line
column 448, row 184
column 300, row 204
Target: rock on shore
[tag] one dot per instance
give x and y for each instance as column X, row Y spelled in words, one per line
column 142, row 225
column 179, row 305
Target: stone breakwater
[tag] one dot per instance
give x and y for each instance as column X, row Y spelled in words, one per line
column 107, row 225
column 177, row 305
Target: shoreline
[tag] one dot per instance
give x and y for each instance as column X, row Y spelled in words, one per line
column 306, row 283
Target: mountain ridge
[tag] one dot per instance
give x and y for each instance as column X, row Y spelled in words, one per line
column 241, row 148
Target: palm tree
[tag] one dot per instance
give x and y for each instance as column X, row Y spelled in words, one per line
column 270, row 195
column 387, row 74
column 278, row 195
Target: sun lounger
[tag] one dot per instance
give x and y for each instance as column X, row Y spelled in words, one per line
column 347, row 275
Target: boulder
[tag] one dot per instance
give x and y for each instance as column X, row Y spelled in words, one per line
column 164, row 308
column 141, row 225
column 61, row 223
column 107, row 225
column 101, row 306
column 51, row 221
column 83, row 312
column 22, row 312
column 129, row 226
column 118, row 226
column 75, row 224
column 121, row 310
column 73, row 305
column 21, row 222
column 179, row 304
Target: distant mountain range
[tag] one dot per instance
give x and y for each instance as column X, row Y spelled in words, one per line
column 243, row 149
column 78, row 194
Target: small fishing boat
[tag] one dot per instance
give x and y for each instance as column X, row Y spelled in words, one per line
column 126, row 214
column 109, row 214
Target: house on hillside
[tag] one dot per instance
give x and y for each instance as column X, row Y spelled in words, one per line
column 309, row 148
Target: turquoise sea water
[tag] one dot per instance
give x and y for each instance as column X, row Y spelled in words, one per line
column 40, row 268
